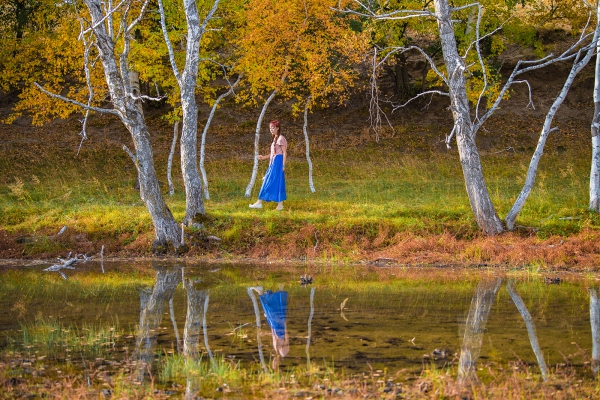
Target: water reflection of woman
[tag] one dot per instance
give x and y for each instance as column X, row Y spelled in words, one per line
column 275, row 307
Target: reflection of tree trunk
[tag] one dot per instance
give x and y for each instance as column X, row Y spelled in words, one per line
column 475, row 326
column 258, row 341
column 193, row 320
column 312, row 312
column 595, row 322
column 177, row 338
column 530, row 327
column 151, row 314
column 197, row 303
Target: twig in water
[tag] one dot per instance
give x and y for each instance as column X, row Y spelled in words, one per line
column 102, row 258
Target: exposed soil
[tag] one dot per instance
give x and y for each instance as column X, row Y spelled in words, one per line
column 420, row 127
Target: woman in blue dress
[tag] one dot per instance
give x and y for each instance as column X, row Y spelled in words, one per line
column 273, row 187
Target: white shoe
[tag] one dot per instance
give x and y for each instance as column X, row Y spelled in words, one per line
column 279, row 207
column 256, row 205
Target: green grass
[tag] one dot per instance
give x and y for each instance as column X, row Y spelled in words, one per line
column 373, row 193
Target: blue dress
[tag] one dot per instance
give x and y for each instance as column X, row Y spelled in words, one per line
column 273, row 187
column 275, row 306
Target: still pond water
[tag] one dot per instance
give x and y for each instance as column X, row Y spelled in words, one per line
column 358, row 319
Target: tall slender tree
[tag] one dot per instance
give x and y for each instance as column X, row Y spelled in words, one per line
column 187, row 81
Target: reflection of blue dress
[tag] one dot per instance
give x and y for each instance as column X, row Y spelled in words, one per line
column 275, row 306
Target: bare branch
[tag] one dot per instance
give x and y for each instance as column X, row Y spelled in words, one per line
column 77, row 103
column 533, row 65
column 163, row 24
column 423, row 53
column 205, row 130
column 421, row 95
column 465, row 7
column 208, row 18
column 395, row 15
column 131, row 155
column 108, row 16
column 449, row 137
column 139, row 18
column 86, row 64
column 375, row 110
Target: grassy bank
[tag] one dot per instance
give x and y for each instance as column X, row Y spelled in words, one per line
column 373, row 200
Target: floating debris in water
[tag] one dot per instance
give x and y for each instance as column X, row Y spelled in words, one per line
column 552, row 281
column 441, row 353
column 67, row 264
column 381, row 262
column 305, row 280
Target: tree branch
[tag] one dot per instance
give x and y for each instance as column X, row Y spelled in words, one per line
column 77, row 103
column 421, row 95
column 163, row 24
column 395, row 15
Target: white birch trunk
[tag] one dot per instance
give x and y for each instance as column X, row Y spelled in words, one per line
column 170, row 162
column 205, row 130
column 595, row 325
column 256, row 141
column 194, row 202
column 479, row 197
column 167, row 232
column 134, row 83
column 305, row 130
column 595, row 167
column 546, row 129
column 535, row 345
column 475, row 327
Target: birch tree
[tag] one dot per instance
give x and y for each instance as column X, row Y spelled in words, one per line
column 470, row 110
column 114, row 60
column 187, row 84
column 582, row 58
column 205, row 130
column 595, row 130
